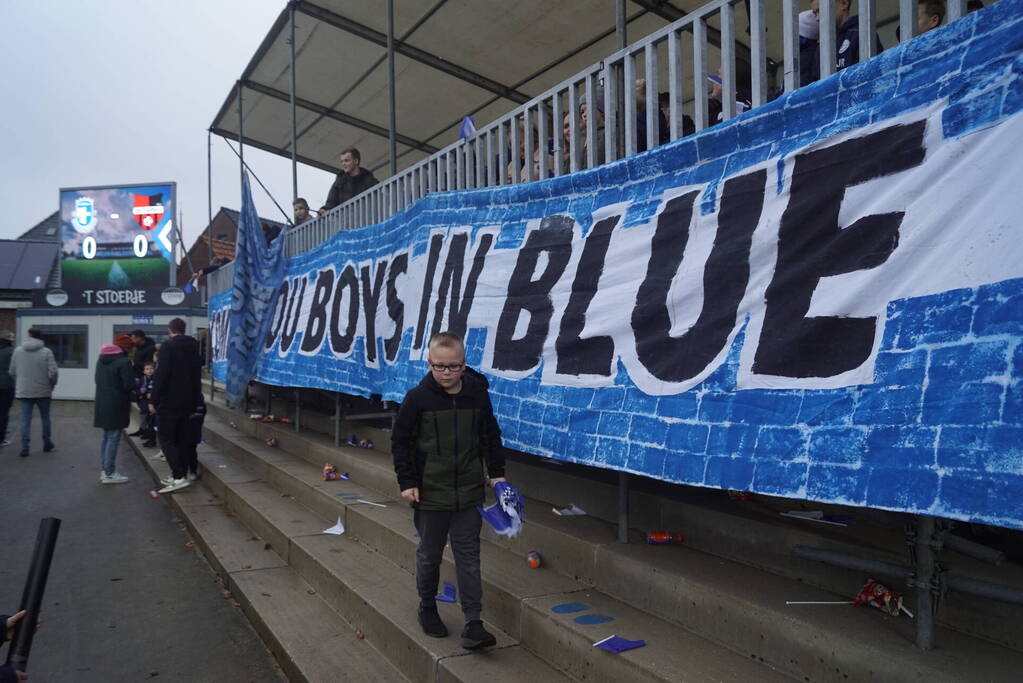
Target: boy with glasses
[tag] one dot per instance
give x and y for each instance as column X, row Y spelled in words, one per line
column 446, row 444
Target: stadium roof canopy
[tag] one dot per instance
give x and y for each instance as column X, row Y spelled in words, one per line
column 452, row 58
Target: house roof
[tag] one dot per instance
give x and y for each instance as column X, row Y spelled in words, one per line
column 26, row 264
column 46, row 230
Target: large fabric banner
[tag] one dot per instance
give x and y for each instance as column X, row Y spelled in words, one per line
column 258, row 271
column 821, row 299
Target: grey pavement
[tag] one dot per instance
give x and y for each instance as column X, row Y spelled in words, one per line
column 126, row 599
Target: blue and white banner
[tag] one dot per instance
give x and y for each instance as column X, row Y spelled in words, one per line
column 821, row 299
column 258, row 271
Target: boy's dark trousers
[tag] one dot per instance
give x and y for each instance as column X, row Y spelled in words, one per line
column 434, row 527
column 148, row 428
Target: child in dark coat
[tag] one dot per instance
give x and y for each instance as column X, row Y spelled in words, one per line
column 446, row 445
column 145, row 390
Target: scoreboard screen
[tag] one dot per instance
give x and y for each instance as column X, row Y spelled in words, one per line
column 117, row 237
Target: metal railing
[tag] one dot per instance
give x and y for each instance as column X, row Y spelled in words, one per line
column 560, row 135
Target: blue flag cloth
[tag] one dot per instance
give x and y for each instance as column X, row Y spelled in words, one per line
column 258, row 273
column 449, row 594
column 618, row 644
column 468, row 128
column 508, row 514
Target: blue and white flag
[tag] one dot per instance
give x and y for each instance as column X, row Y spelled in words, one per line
column 508, row 514
column 468, row 128
column 258, row 273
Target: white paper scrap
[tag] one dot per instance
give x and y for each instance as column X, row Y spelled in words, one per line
column 337, row 529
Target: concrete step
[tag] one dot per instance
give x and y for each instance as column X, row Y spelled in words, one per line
column 759, row 626
column 508, row 581
column 750, row 532
column 295, row 532
column 309, row 640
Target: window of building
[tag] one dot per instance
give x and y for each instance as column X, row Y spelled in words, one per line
column 69, row 343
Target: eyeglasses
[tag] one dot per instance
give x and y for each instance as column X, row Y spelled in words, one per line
column 455, row 367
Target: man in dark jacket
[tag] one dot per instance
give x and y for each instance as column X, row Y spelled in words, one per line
column 114, row 383
column 176, row 393
column 446, row 444
column 351, row 181
column 145, row 352
column 6, row 382
column 847, row 42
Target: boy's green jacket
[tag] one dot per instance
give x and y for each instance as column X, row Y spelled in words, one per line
column 446, row 444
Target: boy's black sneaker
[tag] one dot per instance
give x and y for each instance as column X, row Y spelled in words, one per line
column 431, row 623
column 24, row 453
column 475, row 636
column 47, row 447
column 149, row 443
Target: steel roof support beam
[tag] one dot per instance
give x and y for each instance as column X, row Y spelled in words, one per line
column 665, row 10
column 338, row 116
column 233, row 135
column 413, row 53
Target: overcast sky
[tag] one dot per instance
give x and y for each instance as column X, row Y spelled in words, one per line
column 107, row 92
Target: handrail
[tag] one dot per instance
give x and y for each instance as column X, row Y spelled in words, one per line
column 489, row 158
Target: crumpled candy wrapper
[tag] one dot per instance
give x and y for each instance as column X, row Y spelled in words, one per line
column 880, row 596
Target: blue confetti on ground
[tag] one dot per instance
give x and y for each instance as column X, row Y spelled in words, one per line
column 569, row 607
column 592, row 619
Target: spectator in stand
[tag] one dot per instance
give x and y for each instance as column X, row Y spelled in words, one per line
column 34, row 371
column 350, row 182
column 114, row 384
column 847, row 40
column 974, row 5
column 6, row 382
column 687, row 123
column 270, row 232
column 216, row 264
column 301, row 208
column 743, row 96
column 537, row 158
column 930, row 14
column 145, row 352
column 663, row 132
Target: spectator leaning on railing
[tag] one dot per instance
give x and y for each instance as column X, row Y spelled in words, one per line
column 301, row 209
column 847, row 40
column 350, row 182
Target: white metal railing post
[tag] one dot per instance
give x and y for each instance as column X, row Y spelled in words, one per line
column 758, row 51
column 868, row 28
column 790, row 44
column 727, row 63
column 629, row 93
column 675, row 84
column 653, row 137
column 907, row 20
column 591, row 122
column 612, row 74
column 573, row 127
column 541, row 139
column 826, row 40
column 558, row 133
column 700, row 73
